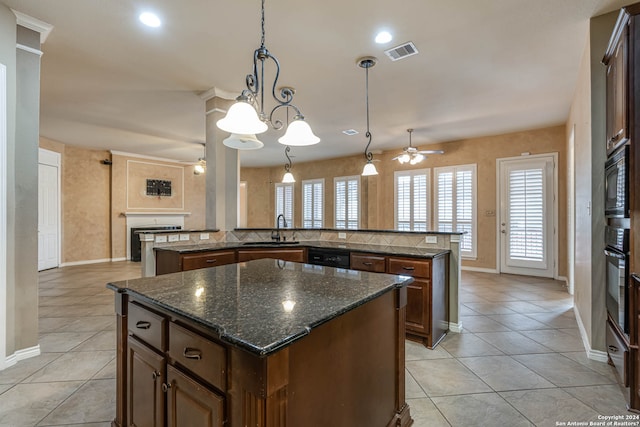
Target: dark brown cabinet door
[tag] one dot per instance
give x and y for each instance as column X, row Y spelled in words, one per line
column 617, row 95
column 191, row 404
column 418, row 307
column 146, row 372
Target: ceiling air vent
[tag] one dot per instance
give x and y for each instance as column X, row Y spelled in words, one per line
column 402, row 51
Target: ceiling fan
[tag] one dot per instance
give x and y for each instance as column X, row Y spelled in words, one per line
column 412, row 155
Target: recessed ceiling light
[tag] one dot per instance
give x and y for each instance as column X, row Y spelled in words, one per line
column 383, row 37
column 150, row 19
column 350, row 132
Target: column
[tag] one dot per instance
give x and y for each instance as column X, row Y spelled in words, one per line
column 223, row 167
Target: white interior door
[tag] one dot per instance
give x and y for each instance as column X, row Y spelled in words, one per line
column 48, row 210
column 527, row 211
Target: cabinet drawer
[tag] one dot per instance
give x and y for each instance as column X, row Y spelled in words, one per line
column 207, row 259
column 368, row 262
column 410, row 267
column 293, row 255
column 147, row 326
column 199, row 355
column 618, row 353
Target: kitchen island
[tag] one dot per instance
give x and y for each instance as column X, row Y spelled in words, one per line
column 262, row 343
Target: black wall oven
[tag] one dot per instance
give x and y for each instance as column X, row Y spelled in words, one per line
column 617, row 276
column 616, row 172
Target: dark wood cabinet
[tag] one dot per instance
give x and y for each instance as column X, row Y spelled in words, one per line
column 293, row 254
column 145, row 377
column 168, row 261
column 427, row 312
column 617, row 81
column 427, row 297
column 191, row 404
column 368, row 262
column 163, row 385
column 207, row 259
column 622, row 61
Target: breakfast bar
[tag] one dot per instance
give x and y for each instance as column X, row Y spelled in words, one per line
column 262, row 343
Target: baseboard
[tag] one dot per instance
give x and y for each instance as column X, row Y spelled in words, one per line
column 563, row 279
column 597, row 355
column 480, row 270
column 22, row 354
column 455, row 327
column 91, row 261
column 124, row 258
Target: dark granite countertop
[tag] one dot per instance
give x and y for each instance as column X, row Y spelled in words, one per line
column 351, row 230
column 246, row 303
column 352, row 247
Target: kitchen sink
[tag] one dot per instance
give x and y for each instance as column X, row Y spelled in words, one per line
column 272, row 243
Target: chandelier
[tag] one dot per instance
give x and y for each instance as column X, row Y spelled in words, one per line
column 247, row 116
column 369, row 168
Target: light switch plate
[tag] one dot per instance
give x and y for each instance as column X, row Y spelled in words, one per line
column 431, row 239
column 174, row 237
column 342, row 235
column 161, row 239
column 204, row 236
column 184, row 237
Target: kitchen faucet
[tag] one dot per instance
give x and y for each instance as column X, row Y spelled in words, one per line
column 276, row 236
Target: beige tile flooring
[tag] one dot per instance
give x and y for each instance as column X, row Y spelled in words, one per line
column 519, row 362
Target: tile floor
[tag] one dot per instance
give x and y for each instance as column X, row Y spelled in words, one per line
column 519, row 362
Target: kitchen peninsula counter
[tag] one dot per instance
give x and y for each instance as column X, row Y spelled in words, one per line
column 244, row 343
column 352, row 247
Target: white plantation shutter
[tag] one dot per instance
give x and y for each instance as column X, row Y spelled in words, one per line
column 526, row 214
column 312, row 203
column 456, row 204
column 347, row 202
column 412, row 199
column 284, row 203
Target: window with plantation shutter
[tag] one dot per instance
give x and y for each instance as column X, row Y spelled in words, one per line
column 412, row 195
column 313, row 203
column 347, row 202
column 284, row 203
column 455, row 204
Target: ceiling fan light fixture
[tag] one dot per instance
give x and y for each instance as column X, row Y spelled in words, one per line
column 404, row 158
column 298, row 134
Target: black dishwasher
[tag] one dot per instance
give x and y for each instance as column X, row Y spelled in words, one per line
column 329, row 257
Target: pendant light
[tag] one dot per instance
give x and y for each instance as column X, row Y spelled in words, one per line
column 247, row 115
column 288, row 176
column 243, row 142
column 369, row 168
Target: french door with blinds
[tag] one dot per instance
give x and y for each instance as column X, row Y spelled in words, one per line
column 527, row 214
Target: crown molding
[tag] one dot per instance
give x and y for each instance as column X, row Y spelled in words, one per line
column 217, row 92
column 33, row 24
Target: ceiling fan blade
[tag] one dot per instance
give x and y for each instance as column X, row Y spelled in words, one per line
column 431, row 152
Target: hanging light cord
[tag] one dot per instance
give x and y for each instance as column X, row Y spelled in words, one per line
column 367, row 154
column 287, row 166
